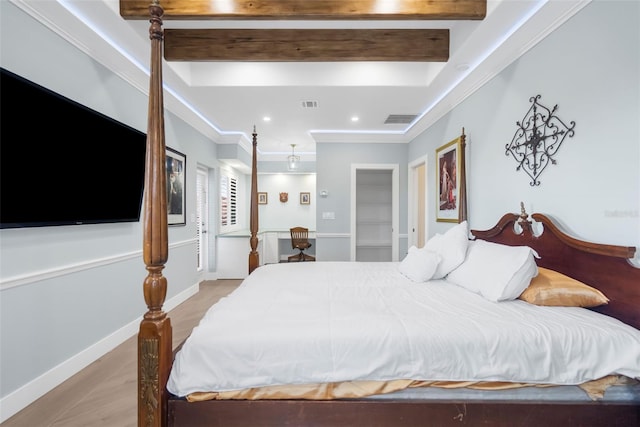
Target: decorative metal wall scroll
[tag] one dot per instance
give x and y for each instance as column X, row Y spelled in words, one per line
column 537, row 139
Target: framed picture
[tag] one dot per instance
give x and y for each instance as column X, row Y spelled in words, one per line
column 262, row 198
column 176, row 172
column 448, row 160
column 305, row 198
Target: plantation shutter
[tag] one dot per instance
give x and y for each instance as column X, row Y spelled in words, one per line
column 228, row 200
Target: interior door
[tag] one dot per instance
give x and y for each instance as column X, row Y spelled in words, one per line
column 202, row 218
column 421, row 196
column 417, row 202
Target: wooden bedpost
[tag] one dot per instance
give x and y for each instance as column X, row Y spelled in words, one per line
column 154, row 337
column 254, row 257
column 462, row 213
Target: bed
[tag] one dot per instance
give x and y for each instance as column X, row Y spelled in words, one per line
column 605, row 267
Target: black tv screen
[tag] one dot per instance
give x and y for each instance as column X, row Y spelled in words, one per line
column 63, row 163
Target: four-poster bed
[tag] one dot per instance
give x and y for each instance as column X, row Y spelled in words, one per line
column 605, row 267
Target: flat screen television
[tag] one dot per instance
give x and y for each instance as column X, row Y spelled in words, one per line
column 62, row 163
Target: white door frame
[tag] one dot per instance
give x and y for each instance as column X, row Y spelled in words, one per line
column 395, row 209
column 203, row 227
column 412, row 199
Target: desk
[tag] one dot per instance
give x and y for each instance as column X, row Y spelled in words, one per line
column 278, row 246
column 233, row 251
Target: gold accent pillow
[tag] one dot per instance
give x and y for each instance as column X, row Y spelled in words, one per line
column 553, row 288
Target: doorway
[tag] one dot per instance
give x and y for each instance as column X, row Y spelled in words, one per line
column 417, row 202
column 374, row 212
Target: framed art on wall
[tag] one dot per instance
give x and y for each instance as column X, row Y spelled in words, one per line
column 176, row 171
column 262, row 198
column 448, row 158
column 305, row 198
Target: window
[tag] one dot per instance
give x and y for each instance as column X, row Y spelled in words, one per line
column 228, row 200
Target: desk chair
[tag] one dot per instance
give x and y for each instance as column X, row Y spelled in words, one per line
column 300, row 241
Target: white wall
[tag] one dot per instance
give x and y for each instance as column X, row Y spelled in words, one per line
column 276, row 215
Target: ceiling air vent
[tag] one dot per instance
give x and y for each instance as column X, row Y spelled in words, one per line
column 309, row 104
column 403, row 119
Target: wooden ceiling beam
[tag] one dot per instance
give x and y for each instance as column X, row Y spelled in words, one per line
column 306, row 45
column 310, row 9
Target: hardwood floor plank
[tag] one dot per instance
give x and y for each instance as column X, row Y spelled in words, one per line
column 104, row 394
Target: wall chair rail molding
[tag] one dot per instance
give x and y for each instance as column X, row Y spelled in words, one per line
column 537, row 139
column 72, row 268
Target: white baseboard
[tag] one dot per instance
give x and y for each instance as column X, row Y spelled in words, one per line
column 210, row 276
column 30, row 392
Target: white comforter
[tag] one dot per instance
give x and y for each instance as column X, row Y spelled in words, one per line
column 321, row 322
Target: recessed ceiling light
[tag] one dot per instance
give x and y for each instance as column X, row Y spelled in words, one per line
column 266, row 118
column 462, row 66
column 355, row 118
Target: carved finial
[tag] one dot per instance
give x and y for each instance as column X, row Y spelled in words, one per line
column 254, row 128
column 523, row 220
column 463, row 130
column 523, row 213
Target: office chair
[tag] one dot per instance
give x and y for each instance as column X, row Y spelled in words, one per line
column 300, row 241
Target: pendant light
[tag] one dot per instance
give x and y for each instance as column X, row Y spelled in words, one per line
column 293, row 160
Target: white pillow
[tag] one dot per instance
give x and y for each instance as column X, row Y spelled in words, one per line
column 419, row 264
column 495, row 271
column 452, row 248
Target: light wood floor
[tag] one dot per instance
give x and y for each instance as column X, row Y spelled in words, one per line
column 104, row 393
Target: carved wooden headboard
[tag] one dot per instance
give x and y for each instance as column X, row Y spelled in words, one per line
column 605, row 267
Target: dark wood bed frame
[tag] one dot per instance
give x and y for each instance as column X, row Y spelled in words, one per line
column 606, row 267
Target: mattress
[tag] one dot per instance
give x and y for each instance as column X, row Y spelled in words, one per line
column 332, row 322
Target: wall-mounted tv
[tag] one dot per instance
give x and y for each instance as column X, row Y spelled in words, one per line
column 62, row 163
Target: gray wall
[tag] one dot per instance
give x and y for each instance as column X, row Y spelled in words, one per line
column 333, row 161
column 590, row 68
column 58, row 296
